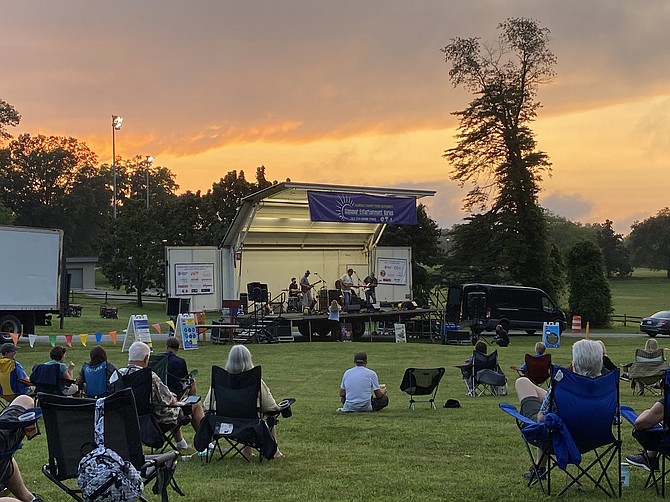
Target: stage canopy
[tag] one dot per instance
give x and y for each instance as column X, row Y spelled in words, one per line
column 278, row 217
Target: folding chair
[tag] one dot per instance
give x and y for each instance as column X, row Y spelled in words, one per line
column 647, row 370
column 483, row 374
column 587, row 413
column 47, row 379
column 69, row 426
column 538, row 368
column 237, row 417
column 421, row 382
column 156, row 435
column 180, row 386
column 11, row 384
column 655, row 439
column 95, row 379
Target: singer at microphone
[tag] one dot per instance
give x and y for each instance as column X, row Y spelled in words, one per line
column 347, row 282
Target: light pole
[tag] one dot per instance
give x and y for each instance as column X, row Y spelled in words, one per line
column 117, row 122
column 150, row 162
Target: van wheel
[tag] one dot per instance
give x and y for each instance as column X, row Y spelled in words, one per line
column 530, row 331
column 561, row 325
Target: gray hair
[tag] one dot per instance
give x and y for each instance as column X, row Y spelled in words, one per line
column 540, row 347
column 138, row 351
column 239, row 360
column 587, row 358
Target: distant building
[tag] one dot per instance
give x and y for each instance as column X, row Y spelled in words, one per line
column 81, row 271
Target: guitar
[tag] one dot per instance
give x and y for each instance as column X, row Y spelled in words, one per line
column 305, row 289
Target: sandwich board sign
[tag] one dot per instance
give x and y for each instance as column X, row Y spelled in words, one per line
column 400, row 333
column 138, row 330
column 187, row 331
column 551, row 335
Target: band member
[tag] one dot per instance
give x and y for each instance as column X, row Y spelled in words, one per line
column 306, row 289
column 370, row 286
column 293, row 288
column 347, row 282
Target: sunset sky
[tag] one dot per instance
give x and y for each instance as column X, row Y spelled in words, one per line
column 353, row 92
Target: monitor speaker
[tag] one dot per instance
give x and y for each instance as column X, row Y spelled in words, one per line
column 333, row 294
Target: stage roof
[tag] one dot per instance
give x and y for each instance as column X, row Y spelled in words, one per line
column 278, row 218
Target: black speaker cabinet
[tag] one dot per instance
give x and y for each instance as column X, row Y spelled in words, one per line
column 333, row 294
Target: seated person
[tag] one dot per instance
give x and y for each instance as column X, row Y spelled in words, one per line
column 17, row 382
column 138, row 358
column 360, row 389
column 502, row 337
column 540, row 348
column 177, row 371
column 57, row 355
column 10, row 475
column 587, row 360
column 649, row 418
column 89, row 380
column 239, row 361
column 608, row 365
column 467, row 370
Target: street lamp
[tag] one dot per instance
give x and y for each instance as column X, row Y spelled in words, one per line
column 117, row 122
column 150, row 162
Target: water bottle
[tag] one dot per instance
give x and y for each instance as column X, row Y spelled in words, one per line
column 625, row 474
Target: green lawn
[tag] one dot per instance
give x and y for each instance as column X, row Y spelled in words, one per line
column 471, row 453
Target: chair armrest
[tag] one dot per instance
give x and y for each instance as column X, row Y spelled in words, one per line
column 511, row 410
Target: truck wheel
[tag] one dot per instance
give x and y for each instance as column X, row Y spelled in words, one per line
column 530, row 331
column 9, row 324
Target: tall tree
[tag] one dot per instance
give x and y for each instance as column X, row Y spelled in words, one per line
column 496, row 149
column 617, row 257
column 649, row 242
column 8, row 117
column 590, row 295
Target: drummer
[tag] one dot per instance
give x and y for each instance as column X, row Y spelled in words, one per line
column 294, row 288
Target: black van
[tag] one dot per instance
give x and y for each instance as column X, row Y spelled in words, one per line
column 482, row 306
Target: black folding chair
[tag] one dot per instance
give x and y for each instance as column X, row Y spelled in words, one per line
column 69, row 425
column 421, row 382
column 156, row 435
column 47, row 379
column 237, row 418
column 483, row 374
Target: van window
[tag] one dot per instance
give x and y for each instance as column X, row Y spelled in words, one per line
column 517, row 298
column 548, row 305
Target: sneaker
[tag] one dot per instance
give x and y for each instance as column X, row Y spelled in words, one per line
column 644, row 461
column 531, row 474
column 182, row 444
column 37, row 498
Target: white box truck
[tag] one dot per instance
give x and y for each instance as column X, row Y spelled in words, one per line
column 32, row 278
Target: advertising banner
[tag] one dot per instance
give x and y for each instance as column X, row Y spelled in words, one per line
column 194, row 279
column 391, row 271
column 361, row 208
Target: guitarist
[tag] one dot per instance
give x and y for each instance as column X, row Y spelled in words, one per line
column 370, row 285
column 347, row 282
column 306, row 289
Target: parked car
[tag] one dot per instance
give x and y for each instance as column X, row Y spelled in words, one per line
column 657, row 324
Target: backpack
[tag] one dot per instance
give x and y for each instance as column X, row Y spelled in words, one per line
column 103, row 475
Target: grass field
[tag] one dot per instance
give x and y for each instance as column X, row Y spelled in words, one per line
column 470, row 453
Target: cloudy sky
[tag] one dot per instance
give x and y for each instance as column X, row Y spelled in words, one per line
column 346, row 91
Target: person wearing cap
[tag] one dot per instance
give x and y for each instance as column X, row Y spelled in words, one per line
column 360, row 389
column 19, row 381
column 10, row 475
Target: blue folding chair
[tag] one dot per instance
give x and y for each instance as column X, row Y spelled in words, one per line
column 655, row 439
column 586, row 421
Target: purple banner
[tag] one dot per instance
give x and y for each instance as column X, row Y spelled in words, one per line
column 361, row 208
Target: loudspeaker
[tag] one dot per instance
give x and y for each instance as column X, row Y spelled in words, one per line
column 323, row 299
column 354, row 307
column 257, row 292
column 176, row 306
column 244, row 301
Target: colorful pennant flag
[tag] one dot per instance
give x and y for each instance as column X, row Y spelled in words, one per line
column 68, row 339
column 52, row 340
column 98, row 337
column 157, row 327
column 83, row 338
column 15, row 338
column 31, row 340
column 112, row 334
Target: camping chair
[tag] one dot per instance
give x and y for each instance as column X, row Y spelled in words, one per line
column 647, row 370
column 237, row 417
column 47, row 379
column 483, row 375
column 587, row 411
column 13, row 423
column 95, row 379
column 538, row 368
column 655, row 439
column 10, row 383
column 180, row 386
column 421, row 382
column 156, row 435
column 69, row 425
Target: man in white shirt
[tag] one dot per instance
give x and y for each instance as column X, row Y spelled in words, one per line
column 360, row 389
column 346, row 282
